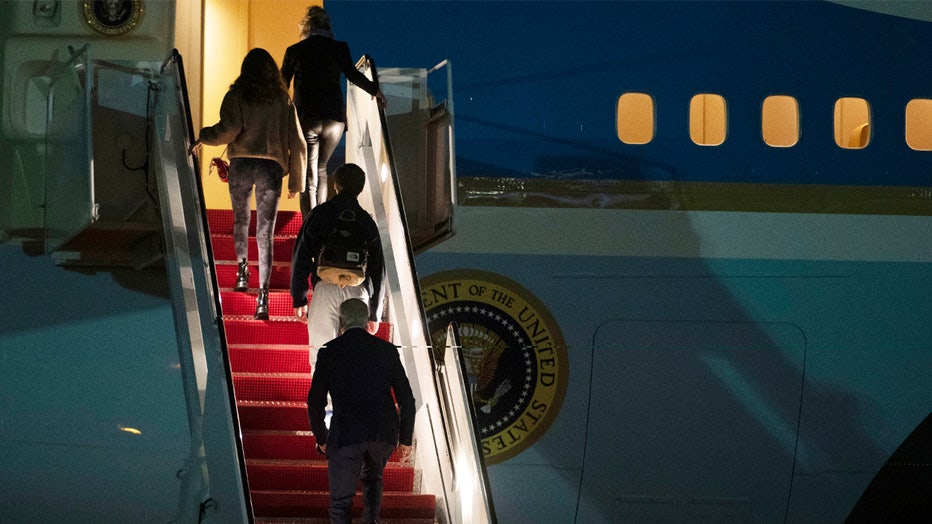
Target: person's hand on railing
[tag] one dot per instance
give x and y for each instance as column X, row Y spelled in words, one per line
column 405, row 454
column 380, row 98
column 195, row 147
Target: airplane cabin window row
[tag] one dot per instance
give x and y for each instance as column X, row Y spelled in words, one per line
column 780, row 121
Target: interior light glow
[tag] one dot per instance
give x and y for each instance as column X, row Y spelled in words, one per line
column 466, row 485
column 383, row 172
column 132, row 431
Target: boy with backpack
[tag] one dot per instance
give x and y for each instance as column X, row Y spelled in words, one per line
column 339, row 248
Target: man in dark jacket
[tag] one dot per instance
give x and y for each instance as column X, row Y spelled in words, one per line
column 323, row 312
column 364, row 376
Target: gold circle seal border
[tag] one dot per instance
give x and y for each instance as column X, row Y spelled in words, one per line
column 474, row 277
column 113, row 30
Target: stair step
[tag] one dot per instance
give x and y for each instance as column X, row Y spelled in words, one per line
column 279, row 279
column 316, row 504
column 223, row 249
column 258, row 415
column 311, row 475
column 285, row 445
column 280, row 445
column 236, row 303
column 290, row 331
column 281, row 387
column 326, row 520
column 269, row 359
column 278, row 330
column 287, row 223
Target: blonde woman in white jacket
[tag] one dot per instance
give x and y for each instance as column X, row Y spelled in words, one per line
column 260, row 127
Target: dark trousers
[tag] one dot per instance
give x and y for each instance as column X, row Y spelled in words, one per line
column 322, row 137
column 345, row 467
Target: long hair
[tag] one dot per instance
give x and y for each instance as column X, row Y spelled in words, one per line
column 315, row 18
column 259, row 78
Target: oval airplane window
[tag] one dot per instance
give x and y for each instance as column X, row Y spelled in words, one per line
column 634, row 118
column 707, row 119
column 852, row 123
column 780, row 121
column 919, row 124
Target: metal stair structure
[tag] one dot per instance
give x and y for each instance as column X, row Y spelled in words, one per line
column 271, row 377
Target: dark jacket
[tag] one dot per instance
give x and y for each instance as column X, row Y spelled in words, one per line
column 361, row 372
column 315, row 230
column 316, row 64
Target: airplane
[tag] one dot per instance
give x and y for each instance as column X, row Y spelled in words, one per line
column 698, row 231
column 683, row 246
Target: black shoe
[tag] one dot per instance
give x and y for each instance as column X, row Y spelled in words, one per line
column 262, row 304
column 242, row 277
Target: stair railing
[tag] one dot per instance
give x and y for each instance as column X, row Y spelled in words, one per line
column 470, row 478
column 69, row 204
column 454, row 473
column 214, row 486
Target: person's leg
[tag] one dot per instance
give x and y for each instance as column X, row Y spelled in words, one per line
column 331, row 132
column 308, row 199
column 268, row 193
column 323, row 317
column 240, row 185
column 323, row 313
column 343, row 466
column 374, row 460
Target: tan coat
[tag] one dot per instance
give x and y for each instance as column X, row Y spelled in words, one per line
column 269, row 130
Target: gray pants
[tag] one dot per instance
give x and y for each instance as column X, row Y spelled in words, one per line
column 323, row 313
column 266, row 176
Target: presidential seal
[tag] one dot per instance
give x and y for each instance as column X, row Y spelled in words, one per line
column 112, row 17
column 515, row 355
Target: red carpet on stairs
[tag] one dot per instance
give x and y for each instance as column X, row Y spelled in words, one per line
column 271, row 378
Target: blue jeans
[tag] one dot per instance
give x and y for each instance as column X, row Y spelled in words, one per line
column 266, row 176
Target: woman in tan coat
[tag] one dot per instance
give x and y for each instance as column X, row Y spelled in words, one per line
column 265, row 142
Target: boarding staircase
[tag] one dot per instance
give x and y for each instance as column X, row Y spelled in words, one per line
column 287, row 478
column 251, row 456
column 246, row 381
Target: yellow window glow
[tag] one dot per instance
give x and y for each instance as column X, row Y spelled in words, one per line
column 780, row 121
column 852, row 123
column 634, row 118
column 707, row 119
column 919, row 124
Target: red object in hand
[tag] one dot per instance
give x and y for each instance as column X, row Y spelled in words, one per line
column 222, row 167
